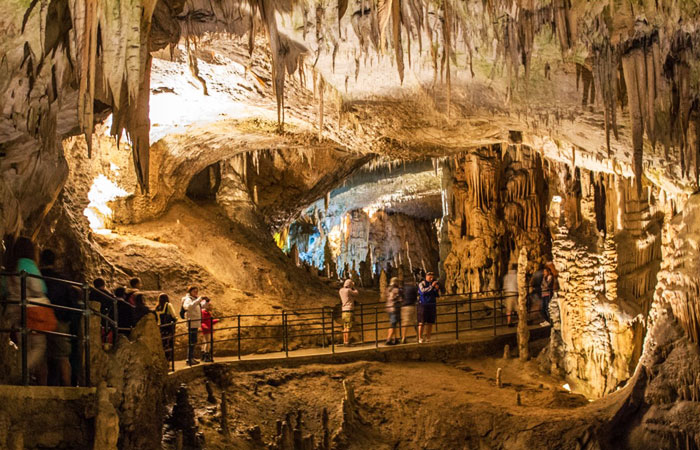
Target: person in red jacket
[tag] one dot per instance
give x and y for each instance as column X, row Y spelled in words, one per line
column 207, row 328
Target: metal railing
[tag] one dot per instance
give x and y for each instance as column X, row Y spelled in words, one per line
column 82, row 310
column 237, row 335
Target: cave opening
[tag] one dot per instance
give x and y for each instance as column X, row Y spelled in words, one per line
column 205, row 184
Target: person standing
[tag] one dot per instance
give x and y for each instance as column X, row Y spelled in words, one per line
column 535, row 296
column 547, row 288
column 59, row 347
column 125, row 312
column 140, row 308
column 408, row 309
column 101, row 295
column 348, row 293
column 208, row 323
column 192, row 303
column 428, row 291
column 393, row 309
column 510, row 291
column 39, row 318
column 166, row 319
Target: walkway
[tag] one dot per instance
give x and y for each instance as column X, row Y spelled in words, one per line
column 473, row 342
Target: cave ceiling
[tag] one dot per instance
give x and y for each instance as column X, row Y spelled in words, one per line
column 610, row 86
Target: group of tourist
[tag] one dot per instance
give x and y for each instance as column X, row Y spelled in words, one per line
column 53, row 352
column 408, row 306
column 544, row 284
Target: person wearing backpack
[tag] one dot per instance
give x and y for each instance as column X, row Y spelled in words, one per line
column 61, row 294
column 166, row 319
column 39, row 318
column 191, row 309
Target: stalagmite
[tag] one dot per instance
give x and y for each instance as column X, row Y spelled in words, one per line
column 523, row 330
column 499, row 383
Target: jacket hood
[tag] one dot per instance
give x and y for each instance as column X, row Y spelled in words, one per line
column 348, row 283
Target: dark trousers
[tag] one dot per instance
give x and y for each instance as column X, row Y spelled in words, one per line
column 192, row 341
column 166, row 334
column 545, row 308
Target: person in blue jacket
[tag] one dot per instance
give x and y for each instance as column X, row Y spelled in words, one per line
column 428, row 291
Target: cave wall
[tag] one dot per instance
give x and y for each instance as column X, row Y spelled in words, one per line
column 494, row 204
column 370, row 240
column 606, row 247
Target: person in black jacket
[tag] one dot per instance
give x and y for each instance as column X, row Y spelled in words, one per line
column 101, row 295
column 125, row 312
column 60, row 294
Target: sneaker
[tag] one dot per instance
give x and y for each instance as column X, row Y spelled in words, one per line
column 420, row 341
column 389, row 342
column 194, row 362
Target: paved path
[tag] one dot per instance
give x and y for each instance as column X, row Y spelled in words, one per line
column 447, row 338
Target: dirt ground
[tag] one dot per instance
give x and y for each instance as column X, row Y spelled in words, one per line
column 453, row 404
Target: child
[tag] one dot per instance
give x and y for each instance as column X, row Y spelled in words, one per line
column 207, row 327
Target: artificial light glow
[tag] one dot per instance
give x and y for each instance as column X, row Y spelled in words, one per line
column 370, row 211
column 567, row 387
column 98, row 213
column 556, row 199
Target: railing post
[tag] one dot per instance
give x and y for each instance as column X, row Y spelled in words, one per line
column 115, row 317
column 86, row 332
column 172, row 345
column 323, row 326
column 362, row 324
column 23, row 324
column 494, row 316
column 456, row 321
column 211, row 346
column 239, row 336
column 285, row 338
column 376, row 327
column 333, row 333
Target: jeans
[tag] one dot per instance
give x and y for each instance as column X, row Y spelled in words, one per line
column 192, row 341
column 545, row 308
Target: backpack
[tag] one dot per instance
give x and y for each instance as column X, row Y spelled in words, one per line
column 182, row 310
column 164, row 316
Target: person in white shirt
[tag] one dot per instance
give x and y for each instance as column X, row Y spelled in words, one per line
column 510, row 290
column 192, row 304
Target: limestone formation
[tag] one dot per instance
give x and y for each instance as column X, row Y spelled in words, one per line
column 197, row 142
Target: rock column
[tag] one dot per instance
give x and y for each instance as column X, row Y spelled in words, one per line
column 523, row 330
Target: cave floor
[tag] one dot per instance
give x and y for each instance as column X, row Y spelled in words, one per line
column 405, row 404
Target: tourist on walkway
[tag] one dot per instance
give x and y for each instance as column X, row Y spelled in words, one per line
column 510, row 291
column 134, row 287
column 393, row 309
column 166, row 319
column 547, row 288
column 59, row 347
column 348, row 293
column 208, row 323
column 408, row 309
column 192, row 303
column 140, row 308
column 39, row 318
column 101, row 295
column 125, row 312
column 428, row 290
column 535, row 297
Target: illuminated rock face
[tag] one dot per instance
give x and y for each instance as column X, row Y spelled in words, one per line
column 495, row 203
